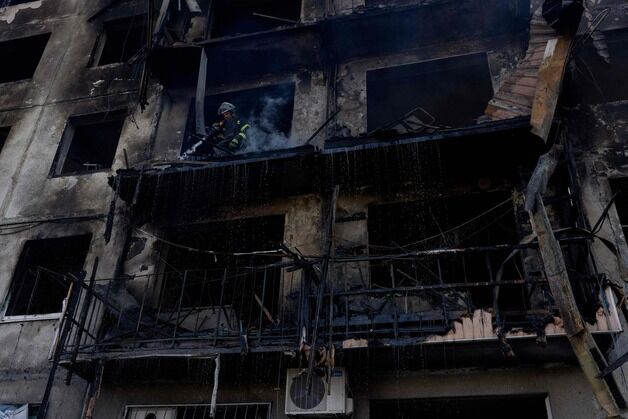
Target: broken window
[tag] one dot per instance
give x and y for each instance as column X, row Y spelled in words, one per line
column 89, row 143
column 447, row 92
column 120, row 40
column 4, row 134
column 38, row 285
column 24, row 54
column 235, row 17
column 195, row 279
column 268, row 111
column 487, row 407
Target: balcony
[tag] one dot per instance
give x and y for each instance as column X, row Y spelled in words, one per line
column 431, row 297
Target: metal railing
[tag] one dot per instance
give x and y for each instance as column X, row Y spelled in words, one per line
column 202, row 411
column 401, row 298
column 217, row 307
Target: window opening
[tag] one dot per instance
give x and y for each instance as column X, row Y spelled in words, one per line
column 120, row 40
column 38, row 286
column 267, row 110
column 601, row 81
column 489, row 407
column 24, row 54
column 454, row 91
column 89, row 143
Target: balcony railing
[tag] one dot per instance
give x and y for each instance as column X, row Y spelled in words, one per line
column 406, row 298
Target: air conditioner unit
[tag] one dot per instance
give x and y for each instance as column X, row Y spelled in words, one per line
column 151, row 413
column 322, row 399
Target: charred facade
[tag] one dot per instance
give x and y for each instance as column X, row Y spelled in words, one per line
column 417, row 208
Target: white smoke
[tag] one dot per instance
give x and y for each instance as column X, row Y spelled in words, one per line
column 263, row 135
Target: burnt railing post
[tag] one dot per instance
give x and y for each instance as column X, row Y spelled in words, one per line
column 222, row 295
column 261, row 307
column 495, row 289
column 141, row 313
column 65, row 325
column 87, row 301
column 181, row 294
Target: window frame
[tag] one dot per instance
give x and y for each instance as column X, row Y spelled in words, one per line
column 379, row 78
column 48, row 36
column 67, row 138
column 137, row 19
column 4, row 305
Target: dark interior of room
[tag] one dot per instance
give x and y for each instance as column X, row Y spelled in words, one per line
column 24, row 55
column 490, row 407
column 268, row 110
column 93, row 142
column 122, row 38
column 455, row 91
column 38, row 291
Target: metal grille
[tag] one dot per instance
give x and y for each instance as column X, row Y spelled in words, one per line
column 202, row 411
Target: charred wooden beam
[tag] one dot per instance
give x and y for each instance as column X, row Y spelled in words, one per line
column 551, row 74
column 331, row 220
column 589, row 356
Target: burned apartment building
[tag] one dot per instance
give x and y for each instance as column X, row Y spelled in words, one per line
column 423, row 213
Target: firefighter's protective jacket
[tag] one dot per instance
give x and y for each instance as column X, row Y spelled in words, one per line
column 234, row 131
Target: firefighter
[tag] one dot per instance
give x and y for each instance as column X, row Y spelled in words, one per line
column 230, row 129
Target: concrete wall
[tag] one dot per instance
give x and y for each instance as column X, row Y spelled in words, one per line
column 37, row 110
column 63, row 85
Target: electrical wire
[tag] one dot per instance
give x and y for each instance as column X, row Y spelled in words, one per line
column 17, row 230
column 450, row 230
column 281, row 252
column 22, row 226
column 273, row 253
